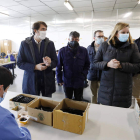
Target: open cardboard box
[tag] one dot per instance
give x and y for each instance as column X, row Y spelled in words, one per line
column 17, row 110
column 41, row 116
column 137, row 110
column 70, row 122
column 13, row 104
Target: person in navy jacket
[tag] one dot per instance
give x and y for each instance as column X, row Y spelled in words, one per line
column 94, row 75
column 37, row 57
column 12, row 58
column 9, row 129
column 74, row 61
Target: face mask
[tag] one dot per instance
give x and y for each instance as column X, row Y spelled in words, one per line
column 123, row 37
column 8, row 54
column 100, row 41
column 42, row 35
column 74, row 44
column 1, row 99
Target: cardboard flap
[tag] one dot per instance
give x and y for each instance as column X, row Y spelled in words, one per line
column 49, row 103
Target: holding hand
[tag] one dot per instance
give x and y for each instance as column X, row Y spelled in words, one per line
column 114, row 64
column 40, row 67
column 47, row 61
column 61, row 84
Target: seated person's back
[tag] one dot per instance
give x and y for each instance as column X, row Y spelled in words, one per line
column 9, row 129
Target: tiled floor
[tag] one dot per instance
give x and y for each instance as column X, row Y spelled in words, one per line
column 58, row 95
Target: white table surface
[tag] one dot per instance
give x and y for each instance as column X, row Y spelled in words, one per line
column 104, row 123
column 11, row 62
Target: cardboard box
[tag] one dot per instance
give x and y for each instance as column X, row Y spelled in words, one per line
column 70, row 122
column 1, row 61
column 137, row 110
column 13, row 104
column 41, row 116
column 5, row 60
column 17, row 110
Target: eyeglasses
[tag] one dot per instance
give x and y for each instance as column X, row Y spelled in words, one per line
column 100, row 36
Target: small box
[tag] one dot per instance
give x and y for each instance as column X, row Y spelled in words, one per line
column 17, row 110
column 137, row 110
column 23, row 115
column 70, row 122
column 13, row 104
column 41, row 116
column 5, row 60
column 1, row 61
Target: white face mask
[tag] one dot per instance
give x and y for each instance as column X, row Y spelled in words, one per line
column 1, row 99
column 42, row 35
column 100, row 41
column 123, row 37
column 8, row 54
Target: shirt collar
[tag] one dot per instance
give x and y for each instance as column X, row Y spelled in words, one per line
column 37, row 42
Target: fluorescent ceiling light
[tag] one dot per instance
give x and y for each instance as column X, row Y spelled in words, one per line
column 68, row 5
column 82, row 20
column 139, row 2
column 4, row 14
column 127, row 14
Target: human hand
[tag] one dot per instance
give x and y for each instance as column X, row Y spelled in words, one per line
column 47, row 61
column 40, row 67
column 61, row 84
column 114, row 64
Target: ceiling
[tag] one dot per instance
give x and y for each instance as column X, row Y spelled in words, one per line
column 54, row 12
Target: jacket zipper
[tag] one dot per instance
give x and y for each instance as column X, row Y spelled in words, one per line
column 114, row 79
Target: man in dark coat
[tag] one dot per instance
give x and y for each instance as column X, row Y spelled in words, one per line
column 136, row 77
column 93, row 74
column 137, row 41
column 37, row 57
column 75, row 63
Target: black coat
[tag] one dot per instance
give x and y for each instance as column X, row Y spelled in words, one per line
column 116, row 84
column 93, row 75
column 26, row 61
column 137, row 41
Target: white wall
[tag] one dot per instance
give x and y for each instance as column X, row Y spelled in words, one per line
column 59, row 38
column 15, row 34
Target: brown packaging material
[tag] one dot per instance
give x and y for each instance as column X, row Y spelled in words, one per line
column 70, row 122
column 41, row 116
column 17, row 110
column 13, row 104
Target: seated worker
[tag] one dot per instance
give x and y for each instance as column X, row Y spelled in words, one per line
column 11, row 59
column 9, row 129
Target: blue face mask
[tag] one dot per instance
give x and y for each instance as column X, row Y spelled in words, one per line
column 1, row 99
column 100, row 41
column 123, row 37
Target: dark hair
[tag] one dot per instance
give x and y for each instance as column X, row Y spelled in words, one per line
column 6, row 77
column 57, row 50
column 100, row 31
column 74, row 34
column 37, row 24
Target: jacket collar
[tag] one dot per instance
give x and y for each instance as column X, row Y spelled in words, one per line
column 28, row 40
column 122, row 47
column 79, row 50
column 30, row 43
column 92, row 44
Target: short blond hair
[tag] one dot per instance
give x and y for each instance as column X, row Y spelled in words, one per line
column 119, row 26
